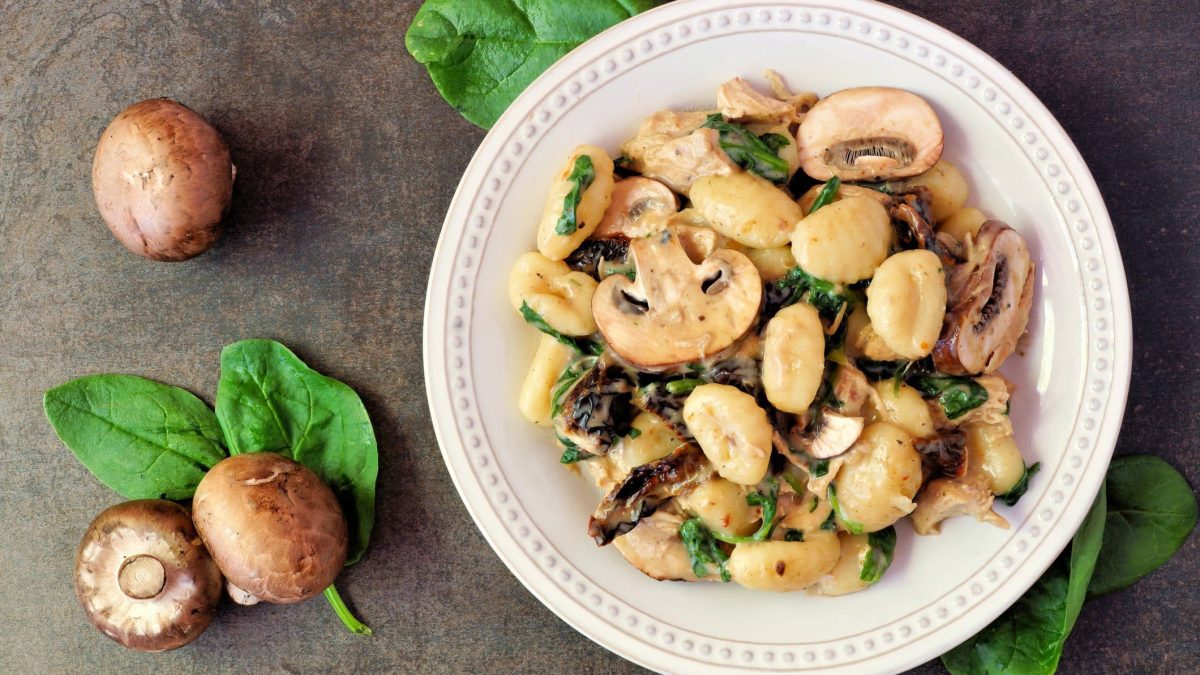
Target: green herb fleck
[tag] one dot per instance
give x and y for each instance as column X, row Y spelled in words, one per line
column 793, row 535
column 684, row 386
column 818, row 467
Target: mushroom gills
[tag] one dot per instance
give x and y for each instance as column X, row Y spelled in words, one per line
column 598, row 409
column 645, row 489
column 876, row 155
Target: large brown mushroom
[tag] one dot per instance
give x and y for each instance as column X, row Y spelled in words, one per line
column 675, row 311
column 163, row 180
column 275, row 530
column 144, row 578
column 871, row 134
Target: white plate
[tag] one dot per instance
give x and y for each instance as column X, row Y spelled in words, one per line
column 1072, row 379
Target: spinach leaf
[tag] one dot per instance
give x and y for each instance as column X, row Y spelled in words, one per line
column 957, row 395
column 581, row 345
column 482, row 54
column 830, row 523
column 1014, row 495
column 881, row 548
column 1028, row 638
column 775, row 142
column 747, row 150
column 826, row 195
column 1151, row 512
column 571, row 452
column 769, row 501
column 268, row 400
column 877, row 371
column 684, row 386
column 703, row 549
column 570, row 375
column 818, row 468
column 582, row 175
column 142, row 438
column 824, row 295
column 852, row 526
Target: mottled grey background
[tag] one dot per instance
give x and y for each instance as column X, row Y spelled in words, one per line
column 347, row 161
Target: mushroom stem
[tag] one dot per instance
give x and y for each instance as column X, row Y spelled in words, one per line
column 339, row 607
column 142, row 577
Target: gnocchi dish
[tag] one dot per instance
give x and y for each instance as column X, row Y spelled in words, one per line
column 771, row 331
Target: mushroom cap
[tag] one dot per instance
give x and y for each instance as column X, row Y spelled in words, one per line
column 871, row 134
column 162, row 179
column 144, row 577
column 275, row 530
column 638, row 208
column 676, row 311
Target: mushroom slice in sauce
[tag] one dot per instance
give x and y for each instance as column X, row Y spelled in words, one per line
column 673, row 148
column 948, row 497
column 944, row 454
column 675, row 311
column 989, row 298
column 645, row 489
column 599, row 258
column 870, row 134
column 639, row 208
column 597, row 410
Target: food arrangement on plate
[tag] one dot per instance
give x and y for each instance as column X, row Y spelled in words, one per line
column 763, row 379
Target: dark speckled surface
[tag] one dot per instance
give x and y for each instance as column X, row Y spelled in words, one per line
column 347, row 160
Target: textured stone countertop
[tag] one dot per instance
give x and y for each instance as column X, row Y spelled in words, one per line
column 347, row 161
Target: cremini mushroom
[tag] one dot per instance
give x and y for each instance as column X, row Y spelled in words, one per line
column 989, row 297
column 675, row 311
column 163, row 180
column 833, row 434
column 645, row 489
column 144, row 577
column 639, row 207
column 275, row 530
column 870, row 134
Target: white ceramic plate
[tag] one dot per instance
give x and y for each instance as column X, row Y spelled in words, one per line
column 1072, row 378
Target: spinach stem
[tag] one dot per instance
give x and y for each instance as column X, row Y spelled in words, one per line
column 339, row 607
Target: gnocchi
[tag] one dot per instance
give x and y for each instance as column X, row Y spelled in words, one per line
column 992, row 450
column 560, row 213
column 562, row 297
column 906, row 302
column 732, row 431
column 784, row 565
column 902, row 406
column 845, row 241
column 846, row 575
column 963, row 223
column 793, row 359
column 721, row 506
column 876, row 485
column 861, row 338
column 746, row 208
column 649, row 440
column 947, row 189
column 548, row 362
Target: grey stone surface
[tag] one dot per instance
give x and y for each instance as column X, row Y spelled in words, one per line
column 347, row 161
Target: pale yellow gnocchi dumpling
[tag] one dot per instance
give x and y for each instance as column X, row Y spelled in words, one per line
column 561, row 296
column 784, row 565
column 846, row 576
column 721, row 505
column 906, row 302
column 793, row 359
column 992, row 450
column 962, row 223
column 731, row 429
column 947, row 189
column 746, row 208
column 901, row 405
column 548, row 363
column 843, row 242
column 876, row 485
column 651, row 440
column 565, row 223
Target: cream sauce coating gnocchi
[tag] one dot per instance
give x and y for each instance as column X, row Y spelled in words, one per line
column 902, row 406
column 992, row 450
column 562, row 297
column 593, row 202
column 963, row 223
column 653, row 440
column 906, row 302
column 772, row 263
column 746, row 208
column 732, row 430
column 784, row 565
column 721, row 506
column 548, row 363
column 845, row 241
column 947, row 189
column 875, row 487
column 793, row 358
column 846, row 576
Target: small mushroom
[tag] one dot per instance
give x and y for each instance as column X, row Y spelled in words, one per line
column 989, row 297
column 638, row 208
column 144, row 577
column 597, row 410
column 870, row 134
column 675, row 311
column 275, row 530
column 163, row 180
column 834, row 434
column 645, row 489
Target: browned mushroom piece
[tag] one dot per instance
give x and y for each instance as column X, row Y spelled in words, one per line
column 645, row 489
column 163, row 180
column 989, row 296
column 947, row 497
column 675, row 311
column 144, row 577
column 275, row 530
column 639, row 207
column 870, row 134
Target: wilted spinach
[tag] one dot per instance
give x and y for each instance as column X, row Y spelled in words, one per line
column 852, row 526
column 957, row 395
column 826, row 195
column 143, row 439
column 703, row 549
column 571, row 452
column 581, row 177
column 881, row 547
column 826, row 296
column 1011, row 497
column 769, row 501
column 581, row 345
column 747, row 150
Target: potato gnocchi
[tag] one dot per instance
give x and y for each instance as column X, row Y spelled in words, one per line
column 762, row 384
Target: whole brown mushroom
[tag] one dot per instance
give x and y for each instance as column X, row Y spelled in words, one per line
column 275, row 530
column 144, row 577
column 163, row 180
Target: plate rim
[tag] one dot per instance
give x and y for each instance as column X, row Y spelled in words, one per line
column 947, row 47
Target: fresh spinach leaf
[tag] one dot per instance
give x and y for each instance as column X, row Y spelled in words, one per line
column 1151, row 512
column 852, row 526
column 878, row 371
column 482, row 54
column 826, row 195
column 142, row 438
column 822, row 294
column 818, row 468
column 775, row 142
column 881, row 547
column 581, row 345
column 957, row 395
column 571, row 452
column 1011, row 497
column 581, row 177
column 268, row 400
column 747, row 150
column 703, row 549
column 769, row 501
column 830, row 523
column 1029, row 637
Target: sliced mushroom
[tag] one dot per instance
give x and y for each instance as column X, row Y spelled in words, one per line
column 675, row 311
column 738, row 101
column 144, row 577
column 835, row 433
column 947, row 497
column 597, row 410
column 853, row 390
column 639, row 208
column 599, row 258
column 673, row 148
column 943, row 455
column 667, row 407
column 870, row 134
column 989, row 297
column 656, row 550
column 645, row 489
